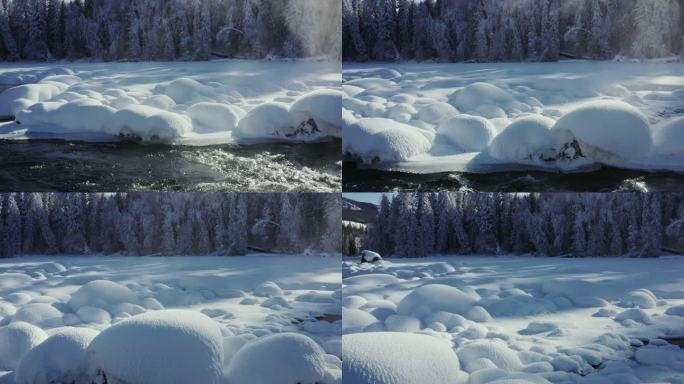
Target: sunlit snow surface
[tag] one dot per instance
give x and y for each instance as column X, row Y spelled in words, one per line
column 537, row 320
column 626, row 115
column 248, row 298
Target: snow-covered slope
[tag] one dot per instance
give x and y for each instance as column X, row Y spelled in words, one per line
column 213, row 102
column 427, row 118
column 514, row 320
column 146, row 320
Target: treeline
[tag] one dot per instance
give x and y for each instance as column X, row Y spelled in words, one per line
column 167, row 29
column 551, row 224
column 353, row 235
column 168, row 223
column 511, row 30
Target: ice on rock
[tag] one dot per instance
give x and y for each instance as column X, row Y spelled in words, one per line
column 41, row 314
column 287, row 358
column 669, row 138
column 187, row 91
column 34, row 93
column 470, row 133
column 148, row 123
column 476, row 94
column 268, row 289
column 493, row 350
column 609, row 126
column 356, row 320
column 214, row 117
column 434, row 298
column 269, row 120
column 59, row 359
column 640, row 298
column 323, row 107
column 524, row 139
column 436, row 112
column 379, row 139
column 398, row 358
column 176, row 346
column 101, row 294
column 16, row 340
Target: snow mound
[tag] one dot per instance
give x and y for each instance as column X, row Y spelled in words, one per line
column 160, row 347
column 436, row 112
column 373, row 279
column 398, row 358
column 669, row 138
column 323, row 107
column 160, row 101
column 495, row 351
column 81, row 115
column 268, row 289
column 59, row 359
column 187, row 91
column 435, row 298
column 525, row 138
column 476, row 94
column 148, row 123
column 379, row 139
column 370, row 256
column 16, row 340
column 32, row 92
column 640, row 298
column 267, row 120
column 356, row 320
column 11, row 280
column 610, row 126
column 677, row 310
column 214, row 117
column 634, row 314
column 94, row 315
column 470, row 133
column 280, row 358
column 401, row 323
column 41, row 314
column 101, row 294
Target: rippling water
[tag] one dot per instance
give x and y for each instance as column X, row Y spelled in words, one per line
column 605, row 179
column 109, row 167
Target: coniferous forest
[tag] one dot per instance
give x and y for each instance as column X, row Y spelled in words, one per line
column 516, row 30
column 110, row 30
column 168, row 223
column 552, row 224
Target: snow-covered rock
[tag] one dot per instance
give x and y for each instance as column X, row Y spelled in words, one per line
column 470, row 133
column 436, row 112
column 268, row 289
column 668, row 139
column 59, row 359
column 495, row 351
column 525, row 138
column 398, row 358
column 323, row 107
column 186, row 91
column 609, row 126
column 214, row 117
column 432, row 298
column 356, row 320
column 639, row 298
column 32, row 92
column 270, row 120
column 378, row 139
column 101, row 294
column 43, row 315
column 280, row 358
column 476, row 94
column 16, row 340
column 148, row 123
column 176, row 346
column 370, row 256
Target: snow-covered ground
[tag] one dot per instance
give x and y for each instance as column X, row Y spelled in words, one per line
column 572, row 115
column 196, row 103
column 168, row 320
column 513, row 320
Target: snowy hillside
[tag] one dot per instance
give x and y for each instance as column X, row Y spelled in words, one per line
column 568, row 116
column 513, row 320
column 170, row 320
column 199, row 103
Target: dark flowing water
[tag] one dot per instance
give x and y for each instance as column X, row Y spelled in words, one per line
column 605, row 179
column 40, row 166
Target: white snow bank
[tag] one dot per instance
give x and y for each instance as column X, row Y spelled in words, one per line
column 101, row 294
column 524, row 139
column 609, row 126
column 668, row 139
column 378, row 139
column 176, row 346
column 280, row 358
column 470, row 133
column 16, row 340
column 31, row 92
column 431, row 298
column 43, row 315
column 267, row 120
column 59, row 359
column 214, row 117
column 323, row 107
column 476, row 94
column 398, row 358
